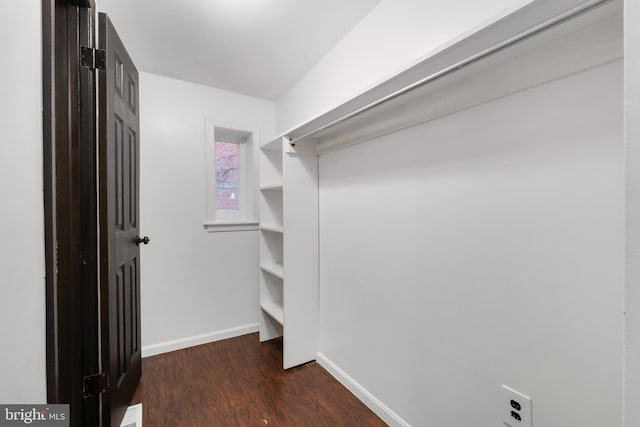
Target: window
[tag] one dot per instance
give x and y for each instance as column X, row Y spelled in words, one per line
column 227, row 176
column 231, row 187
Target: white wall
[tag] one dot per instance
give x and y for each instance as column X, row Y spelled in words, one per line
column 632, row 144
column 193, row 282
column 394, row 35
column 22, row 291
column 481, row 249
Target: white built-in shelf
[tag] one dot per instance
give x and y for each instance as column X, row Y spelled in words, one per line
column 274, row 310
column 275, row 144
column 479, row 66
column 271, row 239
column 296, row 294
column 500, row 58
column 274, row 269
column 272, row 228
column 271, row 187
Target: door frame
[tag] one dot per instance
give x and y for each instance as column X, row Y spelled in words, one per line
column 70, row 207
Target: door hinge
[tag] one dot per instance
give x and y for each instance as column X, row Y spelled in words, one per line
column 94, row 385
column 92, row 58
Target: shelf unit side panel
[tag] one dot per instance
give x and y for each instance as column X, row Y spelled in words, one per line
column 300, row 244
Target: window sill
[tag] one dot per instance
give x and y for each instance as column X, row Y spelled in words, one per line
column 223, row 226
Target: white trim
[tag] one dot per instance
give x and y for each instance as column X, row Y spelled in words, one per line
column 221, row 226
column 361, row 393
column 210, row 159
column 248, row 176
column 179, row 344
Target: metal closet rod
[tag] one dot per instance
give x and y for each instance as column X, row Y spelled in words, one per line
column 518, row 38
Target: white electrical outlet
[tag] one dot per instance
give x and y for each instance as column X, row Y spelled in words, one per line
column 516, row 408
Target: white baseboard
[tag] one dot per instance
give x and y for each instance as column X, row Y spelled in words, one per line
column 361, row 393
column 179, row 344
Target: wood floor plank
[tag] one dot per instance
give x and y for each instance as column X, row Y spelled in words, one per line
column 240, row 382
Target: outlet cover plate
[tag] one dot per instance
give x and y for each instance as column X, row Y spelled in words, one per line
column 526, row 416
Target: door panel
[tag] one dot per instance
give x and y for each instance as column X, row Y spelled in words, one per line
column 119, row 219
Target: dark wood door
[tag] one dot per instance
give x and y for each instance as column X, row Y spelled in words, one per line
column 118, row 139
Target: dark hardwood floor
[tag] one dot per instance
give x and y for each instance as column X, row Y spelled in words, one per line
column 240, row 382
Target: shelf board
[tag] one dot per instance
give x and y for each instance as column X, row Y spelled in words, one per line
column 450, row 80
column 273, row 310
column 274, row 145
column 272, row 228
column 275, row 269
column 272, row 187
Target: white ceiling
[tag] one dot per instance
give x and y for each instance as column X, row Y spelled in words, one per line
column 254, row 47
